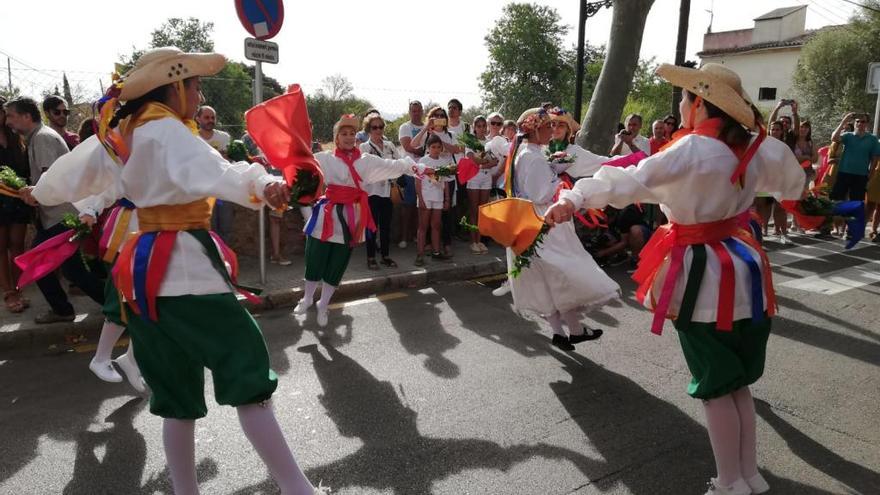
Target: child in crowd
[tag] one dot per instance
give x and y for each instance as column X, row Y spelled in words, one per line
column 433, row 199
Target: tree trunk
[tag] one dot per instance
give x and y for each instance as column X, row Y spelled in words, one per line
column 615, row 81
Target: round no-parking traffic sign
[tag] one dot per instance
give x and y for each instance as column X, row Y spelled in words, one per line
column 261, row 18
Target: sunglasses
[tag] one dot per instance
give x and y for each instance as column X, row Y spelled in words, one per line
column 493, row 123
column 860, row 121
column 55, row 111
column 377, row 127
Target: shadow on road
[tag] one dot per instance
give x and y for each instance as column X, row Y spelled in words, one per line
column 855, row 348
column 417, row 320
column 395, row 456
column 789, row 303
column 854, row 476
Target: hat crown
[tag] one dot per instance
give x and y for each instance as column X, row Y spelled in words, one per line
column 724, row 76
column 156, row 55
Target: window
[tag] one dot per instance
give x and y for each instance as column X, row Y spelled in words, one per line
column 766, row 93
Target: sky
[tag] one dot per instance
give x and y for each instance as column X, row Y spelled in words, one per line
column 391, row 50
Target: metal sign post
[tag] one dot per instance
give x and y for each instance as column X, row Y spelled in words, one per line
column 262, row 19
column 873, row 86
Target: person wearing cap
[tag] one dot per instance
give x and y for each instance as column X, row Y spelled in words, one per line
column 563, row 280
column 704, row 271
column 341, row 217
column 175, row 276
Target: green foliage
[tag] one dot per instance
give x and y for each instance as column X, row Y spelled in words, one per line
column 831, row 72
column 392, row 128
column 329, row 103
column 650, row 96
column 527, row 63
column 9, row 178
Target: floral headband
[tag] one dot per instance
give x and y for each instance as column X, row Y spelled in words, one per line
column 533, row 119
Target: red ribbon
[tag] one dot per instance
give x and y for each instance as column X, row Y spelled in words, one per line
column 597, row 218
column 726, row 290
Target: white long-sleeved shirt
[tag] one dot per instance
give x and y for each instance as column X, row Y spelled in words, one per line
column 691, row 182
column 168, row 165
column 371, row 168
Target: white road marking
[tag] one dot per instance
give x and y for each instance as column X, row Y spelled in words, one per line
column 835, row 282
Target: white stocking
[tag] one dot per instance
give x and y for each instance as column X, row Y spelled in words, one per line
column 555, row 323
column 327, row 291
column 309, row 292
column 110, row 334
column 748, row 443
column 573, row 320
column 722, row 421
column 262, row 430
column 178, row 436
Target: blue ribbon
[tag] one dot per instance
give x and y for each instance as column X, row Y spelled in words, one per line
column 141, row 260
column 854, row 211
column 125, row 203
column 757, row 230
column 310, row 227
column 755, row 270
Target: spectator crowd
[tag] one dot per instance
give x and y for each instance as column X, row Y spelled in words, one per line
column 422, row 212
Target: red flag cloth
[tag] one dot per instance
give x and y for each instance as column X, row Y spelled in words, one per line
column 626, row 161
column 806, row 222
column 46, row 257
column 282, row 130
column 823, row 168
column 467, row 170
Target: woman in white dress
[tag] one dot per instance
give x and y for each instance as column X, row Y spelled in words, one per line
column 563, row 280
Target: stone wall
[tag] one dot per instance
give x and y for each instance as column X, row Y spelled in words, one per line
column 245, row 233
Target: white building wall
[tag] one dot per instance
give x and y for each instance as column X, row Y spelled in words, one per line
column 762, row 69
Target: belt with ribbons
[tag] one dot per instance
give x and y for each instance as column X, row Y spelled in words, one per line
column 342, row 199
column 143, row 261
column 723, row 237
column 115, row 229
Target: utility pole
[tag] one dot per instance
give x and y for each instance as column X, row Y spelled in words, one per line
column 684, row 13
column 9, row 73
column 587, row 10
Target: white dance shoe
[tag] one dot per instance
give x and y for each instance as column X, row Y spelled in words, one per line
column 739, row 487
column 128, row 366
column 758, row 484
column 322, row 316
column 302, row 306
column 503, row 290
column 105, row 371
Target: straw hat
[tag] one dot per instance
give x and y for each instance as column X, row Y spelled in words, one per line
column 532, row 119
column 559, row 115
column 347, row 120
column 716, row 84
column 167, row 65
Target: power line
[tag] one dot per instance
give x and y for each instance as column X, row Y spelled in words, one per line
column 816, row 8
column 875, row 9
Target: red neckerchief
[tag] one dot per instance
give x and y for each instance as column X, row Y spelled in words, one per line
column 349, row 157
column 712, row 128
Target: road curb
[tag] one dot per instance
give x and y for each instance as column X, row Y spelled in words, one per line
column 55, row 335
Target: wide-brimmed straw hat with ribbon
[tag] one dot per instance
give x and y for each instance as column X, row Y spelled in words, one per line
column 167, row 65
column 560, row 115
column 716, row 84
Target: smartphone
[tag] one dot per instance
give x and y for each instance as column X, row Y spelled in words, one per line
column 440, row 122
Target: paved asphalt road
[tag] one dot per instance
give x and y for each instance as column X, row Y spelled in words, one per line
column 446, row 391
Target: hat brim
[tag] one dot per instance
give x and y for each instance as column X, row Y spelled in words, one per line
column 168, row 70
column 711, row 89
